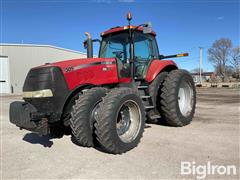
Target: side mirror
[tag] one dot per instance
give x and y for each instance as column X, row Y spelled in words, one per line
column 85, row 43
column 147, row 28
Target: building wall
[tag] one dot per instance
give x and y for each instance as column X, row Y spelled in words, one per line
column 23, row 57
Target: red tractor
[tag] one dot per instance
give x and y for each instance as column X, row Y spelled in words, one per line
column 106, row 100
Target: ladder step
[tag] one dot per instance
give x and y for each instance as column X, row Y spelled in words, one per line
column 145, row 97
column 149, row 107
column 155, row 117
column 139, row 79
column 142, row 87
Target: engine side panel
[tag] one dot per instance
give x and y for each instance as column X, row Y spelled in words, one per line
column 95, row 71
column 157, row 66
column 97, row 75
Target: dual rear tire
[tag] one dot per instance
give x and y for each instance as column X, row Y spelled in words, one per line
column 174, row 96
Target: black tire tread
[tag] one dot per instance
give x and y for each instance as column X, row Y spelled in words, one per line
column 103, row 124
column 168, row 102
column 155, row 86
column 80, row 121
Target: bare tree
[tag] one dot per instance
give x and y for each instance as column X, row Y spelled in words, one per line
column 218, row 54
column 235, row 60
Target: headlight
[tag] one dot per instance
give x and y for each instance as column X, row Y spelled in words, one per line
column 38, row 94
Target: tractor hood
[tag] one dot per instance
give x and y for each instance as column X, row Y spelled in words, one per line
column 75, row 64
column 75, row 72
column 48, row 86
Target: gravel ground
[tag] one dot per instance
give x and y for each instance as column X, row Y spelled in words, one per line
column 212, row 136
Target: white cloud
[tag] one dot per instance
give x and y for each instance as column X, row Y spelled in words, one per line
column 220, row 18
column 113, row 1
column 126, row 1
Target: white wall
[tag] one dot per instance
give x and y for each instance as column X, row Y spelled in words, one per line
column 23, row 57
column 4, row 75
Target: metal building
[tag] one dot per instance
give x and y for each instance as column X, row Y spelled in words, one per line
column 17, row 59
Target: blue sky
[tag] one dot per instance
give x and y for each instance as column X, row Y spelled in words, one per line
column 181, row 26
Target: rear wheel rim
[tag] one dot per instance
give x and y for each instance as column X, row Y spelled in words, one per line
column 185, row 98
column 128, row 121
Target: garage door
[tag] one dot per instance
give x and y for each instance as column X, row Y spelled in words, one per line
column 4, row 75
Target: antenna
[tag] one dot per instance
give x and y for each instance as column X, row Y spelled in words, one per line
column 129, row 18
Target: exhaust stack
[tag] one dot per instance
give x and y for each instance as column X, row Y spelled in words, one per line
column 88, row 44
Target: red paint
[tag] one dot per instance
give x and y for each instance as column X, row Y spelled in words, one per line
column 156, row 67
column 94, row 74
column 123, row 28
column 125, row 80
column 84, row 71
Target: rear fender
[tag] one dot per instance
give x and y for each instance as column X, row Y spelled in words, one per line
column 158, row 66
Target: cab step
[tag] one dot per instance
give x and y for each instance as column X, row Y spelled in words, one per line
column 149, row 107
column 145, row 97
column 142, row 87
column 138, row 79
column 155, row 116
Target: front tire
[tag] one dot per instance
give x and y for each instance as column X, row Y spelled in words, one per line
column 177, row 100
column 83, row 116
column 121, row 121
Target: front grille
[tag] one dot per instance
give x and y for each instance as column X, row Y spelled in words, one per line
column 47, row 78
column 38, row 78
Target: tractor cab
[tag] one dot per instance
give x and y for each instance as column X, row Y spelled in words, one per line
column 116, row 44
column 133, row 47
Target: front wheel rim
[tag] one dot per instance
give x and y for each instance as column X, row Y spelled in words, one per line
column 128, row 121
column 185, row 98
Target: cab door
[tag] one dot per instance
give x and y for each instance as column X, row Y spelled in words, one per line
column 4, row 75
column 145, row 51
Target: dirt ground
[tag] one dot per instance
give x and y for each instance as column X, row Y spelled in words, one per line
column 212, row 136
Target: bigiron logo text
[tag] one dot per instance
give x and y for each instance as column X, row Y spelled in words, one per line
column 201, row 171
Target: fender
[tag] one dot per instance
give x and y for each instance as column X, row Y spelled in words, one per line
column 69, row 99
column 158, row 66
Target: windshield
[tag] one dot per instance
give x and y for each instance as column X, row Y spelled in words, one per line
column 117, row 46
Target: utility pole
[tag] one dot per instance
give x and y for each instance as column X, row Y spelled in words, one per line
column 200, row 66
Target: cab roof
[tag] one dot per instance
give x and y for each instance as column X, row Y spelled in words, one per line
column 123, row 28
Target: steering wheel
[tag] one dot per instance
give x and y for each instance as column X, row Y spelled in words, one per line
column 118, row 54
